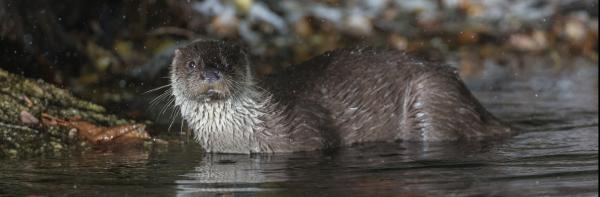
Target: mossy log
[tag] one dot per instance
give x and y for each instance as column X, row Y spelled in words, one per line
column 23, row 105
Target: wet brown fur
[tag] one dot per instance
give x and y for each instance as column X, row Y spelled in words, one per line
column 342, row 97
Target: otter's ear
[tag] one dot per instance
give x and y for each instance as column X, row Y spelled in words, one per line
column 177, row 52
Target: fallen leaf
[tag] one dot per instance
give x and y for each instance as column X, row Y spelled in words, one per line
column 124, row 133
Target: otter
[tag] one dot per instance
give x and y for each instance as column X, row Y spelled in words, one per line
column 342, row 97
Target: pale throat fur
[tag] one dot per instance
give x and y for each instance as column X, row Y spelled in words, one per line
column 230, row 125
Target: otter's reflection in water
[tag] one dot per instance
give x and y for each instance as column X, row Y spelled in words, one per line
column 233, row 173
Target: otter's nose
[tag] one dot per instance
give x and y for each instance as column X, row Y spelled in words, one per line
column 211, row 75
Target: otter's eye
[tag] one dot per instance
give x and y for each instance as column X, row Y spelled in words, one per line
column 191, row 64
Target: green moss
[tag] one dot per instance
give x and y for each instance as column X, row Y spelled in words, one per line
column 36, row 97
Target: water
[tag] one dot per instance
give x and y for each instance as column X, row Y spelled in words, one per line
column 555, row 155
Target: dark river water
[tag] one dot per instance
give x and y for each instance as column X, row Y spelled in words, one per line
column 555, row 155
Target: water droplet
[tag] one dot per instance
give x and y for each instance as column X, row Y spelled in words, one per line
column 122, row 83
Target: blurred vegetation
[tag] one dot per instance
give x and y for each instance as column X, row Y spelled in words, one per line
column 112, row 51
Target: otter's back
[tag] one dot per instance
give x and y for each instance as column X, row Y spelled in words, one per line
column 385, row 95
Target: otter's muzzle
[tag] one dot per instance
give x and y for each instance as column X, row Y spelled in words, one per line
column 211, row 75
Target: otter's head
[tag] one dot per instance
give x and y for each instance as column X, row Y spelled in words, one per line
column 208, row 71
